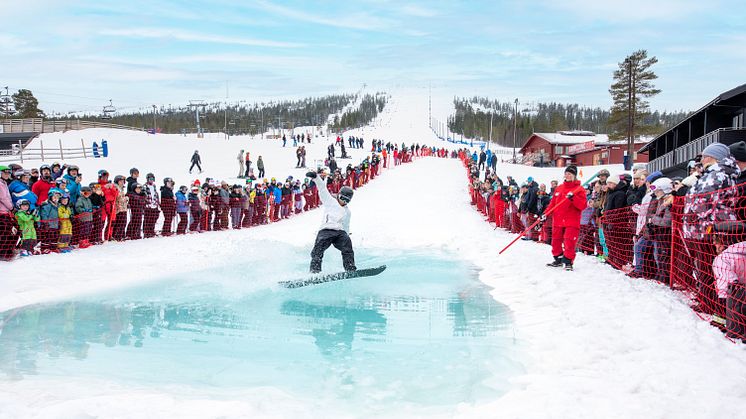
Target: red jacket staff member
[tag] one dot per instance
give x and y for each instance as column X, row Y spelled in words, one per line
column 567, row 203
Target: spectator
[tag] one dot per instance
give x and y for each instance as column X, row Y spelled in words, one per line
column 241, row 168
column 729, row 268
column 260, row 166
column 43, row 185
column 168, row 206
column 49, row 225
column 84, row 209
column 152, row 205
column 709, row 201
column 120, row 208
column 657, row 229
column 73, row 179
column 26, row 217
column 182, row 208
column 132, row 180
column 19, row 189
column 136, row 204
column 64, row 213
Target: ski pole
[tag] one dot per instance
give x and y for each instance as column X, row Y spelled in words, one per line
column 523, row 233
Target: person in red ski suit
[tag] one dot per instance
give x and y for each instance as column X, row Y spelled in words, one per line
column 565, row 207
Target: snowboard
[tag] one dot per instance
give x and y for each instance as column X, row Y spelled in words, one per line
column 320, row 279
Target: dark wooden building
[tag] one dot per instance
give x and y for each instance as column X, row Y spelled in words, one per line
column 721, row 120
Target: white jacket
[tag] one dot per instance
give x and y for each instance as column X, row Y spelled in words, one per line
column 336, row 217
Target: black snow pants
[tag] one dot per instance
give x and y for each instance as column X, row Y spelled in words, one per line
column 341, row 242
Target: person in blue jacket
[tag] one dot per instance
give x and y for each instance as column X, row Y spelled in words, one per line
column 474, row 157
column 182, row 208
column 73, row 184
column 19, row 189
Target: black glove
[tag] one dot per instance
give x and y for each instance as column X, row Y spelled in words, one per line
column 311, row 175
column 569, row 196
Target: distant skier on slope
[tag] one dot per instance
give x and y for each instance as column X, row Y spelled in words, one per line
column 335, row 226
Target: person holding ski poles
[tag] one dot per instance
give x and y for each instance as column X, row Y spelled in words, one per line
column 335, row 226
column 565, row 207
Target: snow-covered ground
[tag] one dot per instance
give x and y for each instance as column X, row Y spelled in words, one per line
column 593, row 342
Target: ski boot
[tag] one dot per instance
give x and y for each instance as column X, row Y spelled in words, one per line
column 557, row 262
column 568, row 264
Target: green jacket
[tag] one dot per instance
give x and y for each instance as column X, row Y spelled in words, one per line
column 26, row 224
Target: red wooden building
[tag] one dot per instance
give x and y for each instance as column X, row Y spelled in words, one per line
column 583, row 148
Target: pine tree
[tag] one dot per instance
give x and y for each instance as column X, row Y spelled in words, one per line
column 27, row 105
column 633, row 83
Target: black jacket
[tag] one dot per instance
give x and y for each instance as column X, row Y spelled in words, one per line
column 167, row 193
column 635, row 195
column 131, row 182
column 196, row 158
column 617, row 198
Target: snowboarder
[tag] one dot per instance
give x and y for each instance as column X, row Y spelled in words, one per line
column 196, row 160
column 335, row 226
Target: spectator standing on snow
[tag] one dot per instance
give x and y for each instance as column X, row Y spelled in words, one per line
column 152, row 205
column 260, row 166
column 196, row 161
column 247, row 162
column 182, row 208
column 709, row 201
column 168, row 205
column 565, row 207
column 241, row 169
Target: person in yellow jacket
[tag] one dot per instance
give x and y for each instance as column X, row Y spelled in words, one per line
column 64, row 212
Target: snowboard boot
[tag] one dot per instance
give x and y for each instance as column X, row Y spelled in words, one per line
column 557, row 262
column 568, row 264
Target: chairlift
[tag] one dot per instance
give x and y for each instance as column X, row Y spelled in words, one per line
column 108, row 111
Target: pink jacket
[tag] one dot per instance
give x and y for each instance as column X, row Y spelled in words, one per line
column 6, row 204
column 729, row 266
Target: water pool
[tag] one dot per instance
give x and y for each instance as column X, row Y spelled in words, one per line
column 424, row 333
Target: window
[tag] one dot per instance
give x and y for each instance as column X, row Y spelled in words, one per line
column 605, row 155
column 558, row 149
column 738, row 120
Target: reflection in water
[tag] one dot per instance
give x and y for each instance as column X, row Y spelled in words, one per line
column 365, row 346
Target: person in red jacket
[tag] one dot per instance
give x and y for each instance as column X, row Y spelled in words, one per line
column 565, row 207
column 42, row 186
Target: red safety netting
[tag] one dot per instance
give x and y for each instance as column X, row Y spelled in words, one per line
column 689, row 243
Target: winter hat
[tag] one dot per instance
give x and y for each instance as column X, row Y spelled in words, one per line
column 653, row 176
column 717, row 151
column 690, row 180
column 615, row 178
column 664, row 184
column 738, row 151
column 572, row 169
column 530, row 179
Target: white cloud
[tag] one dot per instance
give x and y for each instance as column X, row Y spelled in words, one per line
column 362, row 21
column 418, row 11
column 181, row 35
column 632, row 10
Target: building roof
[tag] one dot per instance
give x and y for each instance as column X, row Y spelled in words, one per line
column 572, row 137
column 721, row 97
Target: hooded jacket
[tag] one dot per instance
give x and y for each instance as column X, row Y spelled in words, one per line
column 711, row 199
column 73, row 188
column 567, row 212
column 336, row 216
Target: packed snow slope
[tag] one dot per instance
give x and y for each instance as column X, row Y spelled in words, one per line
column 594, row 343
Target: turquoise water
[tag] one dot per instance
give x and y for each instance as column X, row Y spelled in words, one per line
column 423, row 333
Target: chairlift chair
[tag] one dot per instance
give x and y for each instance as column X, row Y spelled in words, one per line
column 108, row 111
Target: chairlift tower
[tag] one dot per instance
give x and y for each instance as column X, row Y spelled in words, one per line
column 196, row 105
column 6, row 104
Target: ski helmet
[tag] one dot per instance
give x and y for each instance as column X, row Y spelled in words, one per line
column 134, row 170
column 85, row 189
column 345, row 194
column 183, row 189
column 22, row 202
column 54, row 191
column 56, row 164
column 150, row 176
column 117, row 178
column 166, row 180
column 60, row 180
column 71, row 168
column 44, row 166
column 102, row 173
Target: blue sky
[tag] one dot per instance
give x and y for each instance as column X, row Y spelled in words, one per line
column 76, row 54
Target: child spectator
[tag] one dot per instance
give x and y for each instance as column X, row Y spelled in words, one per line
column 182, row 208
column 137, row 211
column 97, row 201
column 235, row 202
column 195, row 208
column 168, row 206
column 49, row 227
column 26, row 218
column 64, row 212
column 84, row 209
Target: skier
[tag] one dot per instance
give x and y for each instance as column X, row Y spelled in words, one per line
column 566, row 205
column 335, row 226
column 241, row 160
column 196, row 161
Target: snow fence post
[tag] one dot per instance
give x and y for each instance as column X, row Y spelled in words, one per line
column 82, row 145
column 62, row 156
